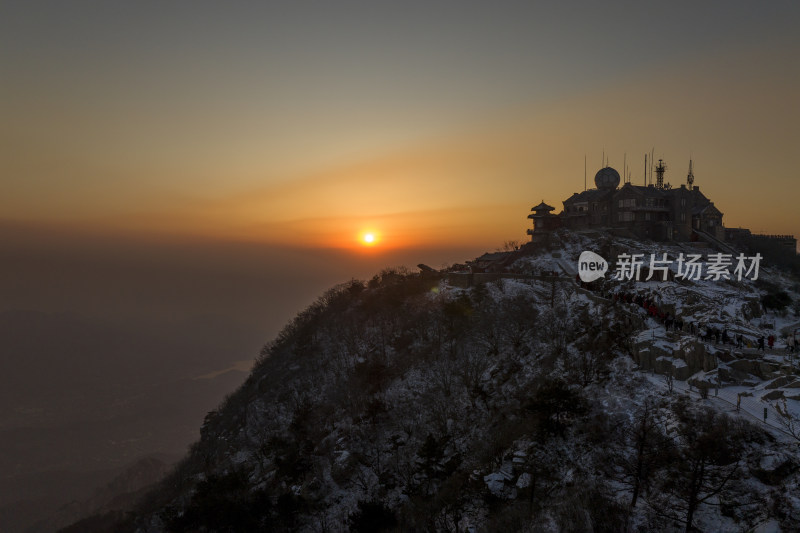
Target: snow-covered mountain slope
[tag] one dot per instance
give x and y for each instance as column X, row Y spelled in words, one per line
column 531, row 403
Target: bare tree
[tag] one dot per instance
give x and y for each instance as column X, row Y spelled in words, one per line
column 511, row 245
column 705, row 457
column 644, row 436
column 471, row 370
column 789, row 421
column 670, row 380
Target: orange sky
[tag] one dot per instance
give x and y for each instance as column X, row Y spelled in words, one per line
column 130, row 154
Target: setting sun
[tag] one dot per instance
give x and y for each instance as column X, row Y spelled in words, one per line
column 369, row 238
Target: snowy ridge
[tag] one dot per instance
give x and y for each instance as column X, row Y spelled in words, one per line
column 405, row 403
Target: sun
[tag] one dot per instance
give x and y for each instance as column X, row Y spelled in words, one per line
column 369, row 238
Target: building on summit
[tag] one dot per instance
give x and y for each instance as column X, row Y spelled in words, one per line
column 653, row 211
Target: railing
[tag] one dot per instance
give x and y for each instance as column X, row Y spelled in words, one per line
column 777, row 237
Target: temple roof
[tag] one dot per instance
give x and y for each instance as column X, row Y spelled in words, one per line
column 708, row 209
column 591, row 194
column 652, row 192
column 542, row 207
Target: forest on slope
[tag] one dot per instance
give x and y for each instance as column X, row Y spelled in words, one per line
column 406, row 404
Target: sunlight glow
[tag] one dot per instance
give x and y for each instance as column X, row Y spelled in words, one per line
column 369, row 238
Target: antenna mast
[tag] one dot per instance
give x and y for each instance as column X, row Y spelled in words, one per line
column 690, row 177
column 624, row 166
column 660, row 174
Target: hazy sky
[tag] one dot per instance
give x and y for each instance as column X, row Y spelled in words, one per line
column 306, row 122
column 138, row 129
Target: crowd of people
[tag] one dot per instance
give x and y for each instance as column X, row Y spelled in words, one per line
column 714, row 334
